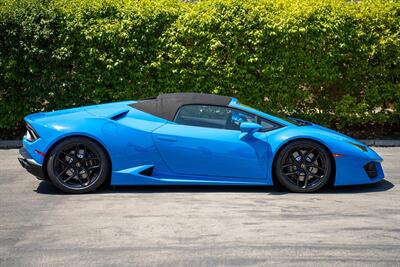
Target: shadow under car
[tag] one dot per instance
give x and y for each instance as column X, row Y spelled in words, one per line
column 45, row 187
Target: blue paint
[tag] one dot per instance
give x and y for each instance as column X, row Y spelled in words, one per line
column 181, row 154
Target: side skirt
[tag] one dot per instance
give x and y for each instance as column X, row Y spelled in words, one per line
column 144, row 175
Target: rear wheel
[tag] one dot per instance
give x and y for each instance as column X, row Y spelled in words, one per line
column 78, row 165
column 303, row 166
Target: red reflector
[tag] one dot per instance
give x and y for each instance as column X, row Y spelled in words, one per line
column 337, row 155
column 40, row 153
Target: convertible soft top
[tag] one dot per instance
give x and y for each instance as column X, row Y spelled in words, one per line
column 166, row 105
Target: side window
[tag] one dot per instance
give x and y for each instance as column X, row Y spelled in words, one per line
column 203, row 116
column 267, row 125
column 212, row 117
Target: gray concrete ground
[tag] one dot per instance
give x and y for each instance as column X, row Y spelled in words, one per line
column 198, row 226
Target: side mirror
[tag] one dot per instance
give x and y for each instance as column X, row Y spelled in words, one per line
column 249, row 128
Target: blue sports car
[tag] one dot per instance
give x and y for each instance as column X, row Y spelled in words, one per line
column 190, row 138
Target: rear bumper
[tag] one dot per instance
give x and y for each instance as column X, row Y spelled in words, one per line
column 30, row 164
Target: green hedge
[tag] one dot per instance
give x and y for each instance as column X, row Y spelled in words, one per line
column 334, row 62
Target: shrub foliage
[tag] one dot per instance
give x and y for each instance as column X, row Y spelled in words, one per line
column 333, row 62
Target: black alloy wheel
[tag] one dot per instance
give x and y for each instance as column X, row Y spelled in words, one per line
column 303, row 166
column 78, row 165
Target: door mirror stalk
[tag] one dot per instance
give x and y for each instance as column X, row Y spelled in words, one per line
column 249, row 128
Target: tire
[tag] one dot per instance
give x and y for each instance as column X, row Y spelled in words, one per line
column 77, row 165
column 303, row 166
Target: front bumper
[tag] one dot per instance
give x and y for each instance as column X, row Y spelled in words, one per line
column 30, row 164
column 352, row 170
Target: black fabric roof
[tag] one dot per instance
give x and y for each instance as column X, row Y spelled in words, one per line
column 166, row 105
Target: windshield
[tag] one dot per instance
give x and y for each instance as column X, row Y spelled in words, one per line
column 293, row 120
column 285, row 118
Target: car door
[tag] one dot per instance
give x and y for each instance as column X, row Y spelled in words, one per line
column 205, row 141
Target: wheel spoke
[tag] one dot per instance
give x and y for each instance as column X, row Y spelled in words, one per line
column 290, row 173
column 288, row 165
column 63, row 171
column 88, row 178
column 88, row 159
column 306, row 181
column 69, row 178
column 316, row 166
column 62, row 162
column 295, row 162
column 76, row 151
column 63, row 152
column 93, row 167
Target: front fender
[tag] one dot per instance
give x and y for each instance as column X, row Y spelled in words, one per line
column 349, row 159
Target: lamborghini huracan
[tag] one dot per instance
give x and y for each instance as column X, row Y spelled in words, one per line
column 190, row 139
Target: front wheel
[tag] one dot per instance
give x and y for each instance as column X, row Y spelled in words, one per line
column 303, row 166
column 78, row 165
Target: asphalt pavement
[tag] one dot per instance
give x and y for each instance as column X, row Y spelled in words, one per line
column 198, row 226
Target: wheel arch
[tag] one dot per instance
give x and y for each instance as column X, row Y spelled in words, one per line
column 51, row 147
column 331, row 180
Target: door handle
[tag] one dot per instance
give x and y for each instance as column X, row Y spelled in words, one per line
column 166, row 138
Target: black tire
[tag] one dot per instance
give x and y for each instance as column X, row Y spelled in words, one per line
column 303, row 166
column 77, row 165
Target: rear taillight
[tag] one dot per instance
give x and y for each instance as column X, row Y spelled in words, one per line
column 31, row 135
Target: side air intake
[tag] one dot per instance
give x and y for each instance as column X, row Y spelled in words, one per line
column 119, row 116
column 147, row 172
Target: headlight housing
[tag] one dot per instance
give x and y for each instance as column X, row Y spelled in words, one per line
column 361, row 147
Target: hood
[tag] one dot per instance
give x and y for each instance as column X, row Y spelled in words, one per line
column 332, row 133
column 335, row 134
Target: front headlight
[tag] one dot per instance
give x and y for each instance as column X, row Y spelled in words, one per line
column 361, row 147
